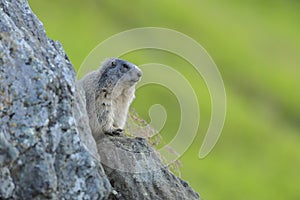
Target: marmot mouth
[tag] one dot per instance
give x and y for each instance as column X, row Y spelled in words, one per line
column 135, row 80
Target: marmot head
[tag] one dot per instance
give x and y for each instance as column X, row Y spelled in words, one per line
column 116, row 72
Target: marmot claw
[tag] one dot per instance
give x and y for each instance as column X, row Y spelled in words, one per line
column 115, row 132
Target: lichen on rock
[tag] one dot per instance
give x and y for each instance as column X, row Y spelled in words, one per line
column 42, row 154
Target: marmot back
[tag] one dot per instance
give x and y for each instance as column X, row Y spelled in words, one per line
column 109, row 92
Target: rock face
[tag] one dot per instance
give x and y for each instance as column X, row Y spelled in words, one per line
column 42, row 152
column 46, row 147
column 136, row 172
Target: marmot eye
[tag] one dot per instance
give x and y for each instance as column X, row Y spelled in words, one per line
column 113, row 63
column 125, row 66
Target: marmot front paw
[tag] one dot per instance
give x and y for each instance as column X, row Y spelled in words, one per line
column 115, row 132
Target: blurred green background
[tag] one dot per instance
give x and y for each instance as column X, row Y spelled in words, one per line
column 255, row 44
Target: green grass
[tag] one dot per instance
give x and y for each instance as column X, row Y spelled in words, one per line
column 256, row 46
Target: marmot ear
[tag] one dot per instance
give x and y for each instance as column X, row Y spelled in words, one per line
column 113, row 63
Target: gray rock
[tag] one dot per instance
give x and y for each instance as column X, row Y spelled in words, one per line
column 136, row 171
column 46, row 147
column 43, row 146
column 7, row 185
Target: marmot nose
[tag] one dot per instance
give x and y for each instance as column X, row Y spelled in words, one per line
column 139, row 74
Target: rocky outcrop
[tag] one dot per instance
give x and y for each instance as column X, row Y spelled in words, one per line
column 42, row 153
column 136, row 171
column 46, row 147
